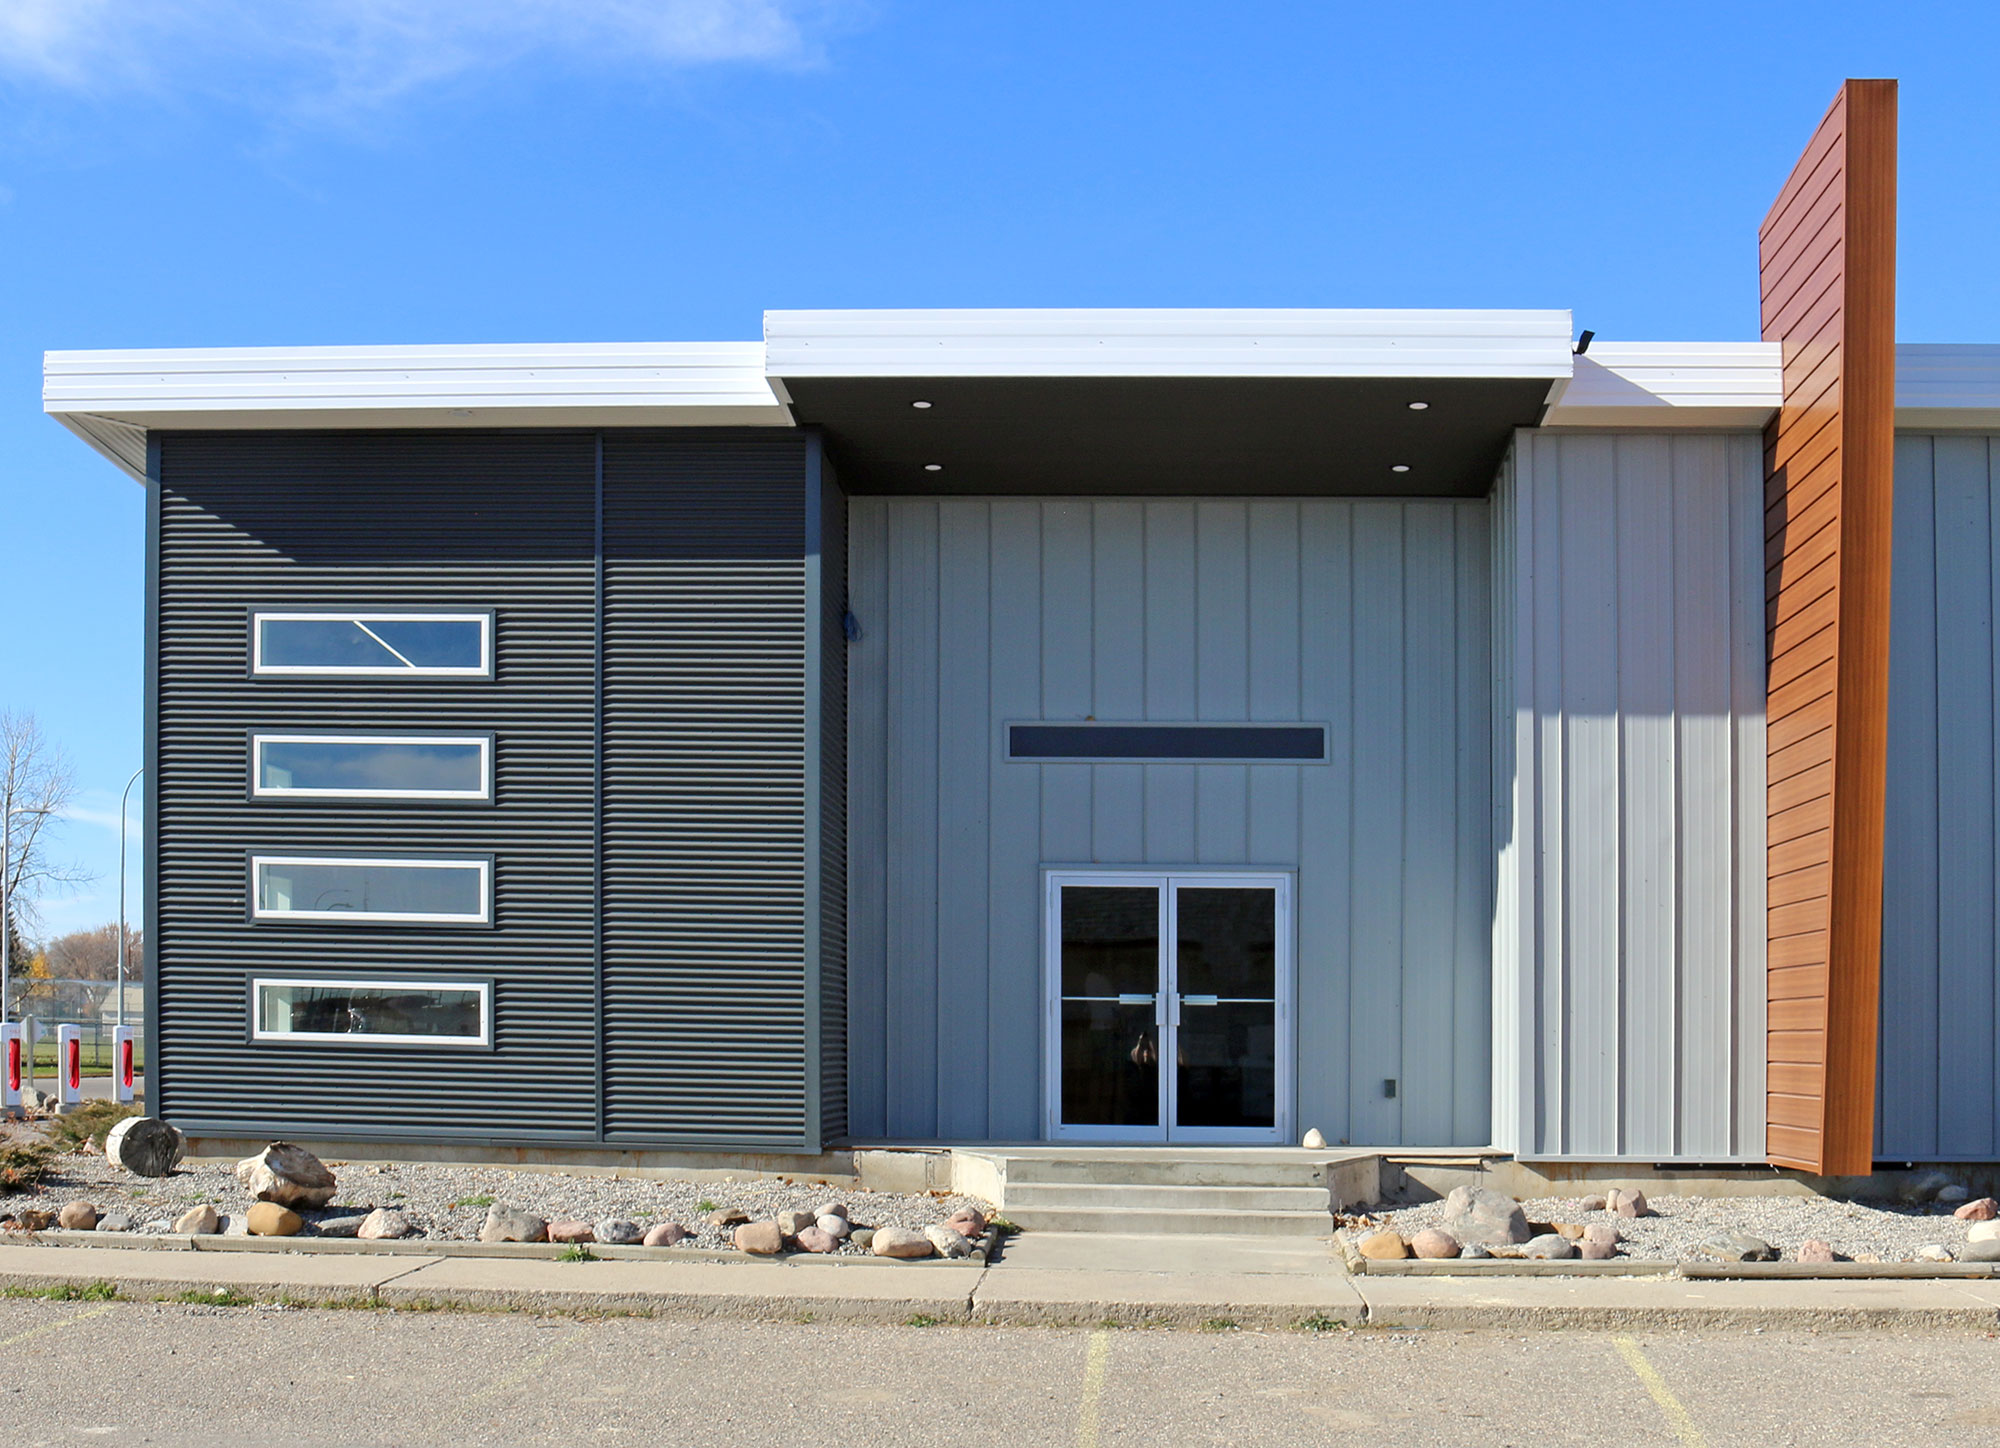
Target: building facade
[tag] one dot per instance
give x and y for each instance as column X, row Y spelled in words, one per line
column 959, row 727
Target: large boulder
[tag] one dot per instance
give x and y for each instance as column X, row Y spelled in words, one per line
column 200, row 1221
column 1549, row 1247
column 1737, row 1247
column 511, row 1224
column 948, row 1242
column 1434, row 1246
column 794, row 1222
column 286, row 1174
column 145, row 1146
column 77, row 1217
column 1987, row 1231
column 385, row 1224
column 1486, row 1217
column 900, row 1242
column 666, row 1234
column 618, row 1232
column 765, row 1239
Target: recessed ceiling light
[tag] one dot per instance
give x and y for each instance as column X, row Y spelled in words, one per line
column 1418, row 406
column 1400, row 468
column 933, row 467
column 920, row 404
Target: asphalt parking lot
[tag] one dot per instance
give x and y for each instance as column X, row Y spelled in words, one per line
column 163, row 1373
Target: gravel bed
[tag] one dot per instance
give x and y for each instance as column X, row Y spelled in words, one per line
column 1859, row 1230
column 449, row 1202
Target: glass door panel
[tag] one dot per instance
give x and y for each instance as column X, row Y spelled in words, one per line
column 1226, row 1007
column 1109, row 1007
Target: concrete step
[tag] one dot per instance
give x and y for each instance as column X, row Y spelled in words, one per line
column 1126, row 1196
column 1171, row 1221
column 1167, row 1171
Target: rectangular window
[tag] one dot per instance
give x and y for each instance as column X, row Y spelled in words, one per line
column 375, row 645
column 309, row 1011
column 1091, row 742
column 357, row 890
column 371, row 766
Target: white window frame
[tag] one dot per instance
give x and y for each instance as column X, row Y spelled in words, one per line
column 364, row 617
column 484, row 1040
column 482, row 795
column 482, row 863
column 1166, row 1018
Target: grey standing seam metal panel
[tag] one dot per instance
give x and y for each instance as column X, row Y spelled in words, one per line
column 707, row 977
column 465, row 520
column 1636, row 891
column 1939, row 1086
column 1232, row 609
column 831, row 691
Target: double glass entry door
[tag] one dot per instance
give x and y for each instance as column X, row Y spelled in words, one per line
column 1169, row 1007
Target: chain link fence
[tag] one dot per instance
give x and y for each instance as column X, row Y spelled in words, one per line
column 89, row 1005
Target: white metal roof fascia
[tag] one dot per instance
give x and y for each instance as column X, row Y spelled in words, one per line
column 1672, row 384
column 1176, row 342
column 1948, row 387
column 109, row 398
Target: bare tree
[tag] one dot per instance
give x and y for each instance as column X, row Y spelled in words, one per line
column 93, row 955
column 36, row 785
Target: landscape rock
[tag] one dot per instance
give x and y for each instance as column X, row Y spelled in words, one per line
column 236, row 1224
column 268, row 1219
column 145, row 1146
column 1383, row 1246
column 349, row 1226
column 572, row 1233
column 1314, row 1140
column 666, row 1234
column 727, row 1217
column 1482, row 1215
column 1434, row 1246
column 1570, row 1230
column 77, row 1217
column 815, row 1239
column 763, row 1238
column 835, row 1227
column 1737, row 1247
column 1591, row 1204
column 1549, row 1247
column 1632, row 1203
column 948, row 1241
column 618, row 1232
column 899, row 1242
column 385, row 1224
column 1473, row 1252
column 1591, row 1250
column 792, row 1223
column 1814, row 1250
column 970, row 1222
column 832, row 1209
column 286, row 1174
column 1602, row 1233
column 200, row 1221
column 511, row 1224
column 862, row 1237
column 1925, row 1188
column 33, row 1219
column 1987, row 1231
column 115, row 1221
column 1983, row 1210
column 1980, row 1252
column 1934, row 1252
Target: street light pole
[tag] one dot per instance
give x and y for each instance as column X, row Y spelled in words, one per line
column 7, row 897
column 123, row 800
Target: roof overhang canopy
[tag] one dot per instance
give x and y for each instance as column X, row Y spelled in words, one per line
column 1171, row 401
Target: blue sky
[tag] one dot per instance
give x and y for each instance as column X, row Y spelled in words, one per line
column 213, row 172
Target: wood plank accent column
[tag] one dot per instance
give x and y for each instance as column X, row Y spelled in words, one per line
column 1827, row 254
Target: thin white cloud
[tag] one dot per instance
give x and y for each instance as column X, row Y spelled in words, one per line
column 313, row 54
column 104, row 819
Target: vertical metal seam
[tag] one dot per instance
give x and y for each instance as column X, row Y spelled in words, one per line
column 1621, row 900
column 596, row 782
column 812, row 625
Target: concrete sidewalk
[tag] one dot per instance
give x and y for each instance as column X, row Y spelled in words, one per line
column 1039, row 1278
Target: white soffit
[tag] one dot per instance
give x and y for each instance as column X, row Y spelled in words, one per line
column 1177, row 342
column 1672, row 384
column 110, row 398
column 1941, row 386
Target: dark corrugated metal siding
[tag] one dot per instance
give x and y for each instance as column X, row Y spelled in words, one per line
column 833, row 806
column 705, row 809
column 467, row 520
